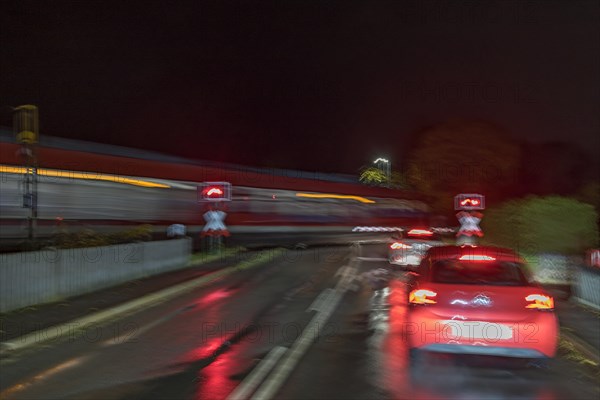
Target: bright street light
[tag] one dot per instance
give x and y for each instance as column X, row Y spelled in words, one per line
column 387, row 169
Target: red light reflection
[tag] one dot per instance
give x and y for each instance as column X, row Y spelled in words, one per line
column 214, row 296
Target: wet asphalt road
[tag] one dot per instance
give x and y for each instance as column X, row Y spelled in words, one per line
column 219, row 341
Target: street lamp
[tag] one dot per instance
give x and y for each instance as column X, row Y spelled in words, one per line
column 386, row 167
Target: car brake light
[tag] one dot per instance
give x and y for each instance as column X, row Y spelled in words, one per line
column 420, row 232
column 476, row 257
column 398, row 245
column 540, row 302
column 421, row 296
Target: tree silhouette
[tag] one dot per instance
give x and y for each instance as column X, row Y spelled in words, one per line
column 461, row 156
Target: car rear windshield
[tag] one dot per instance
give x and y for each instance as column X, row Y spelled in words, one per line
column 502, row 273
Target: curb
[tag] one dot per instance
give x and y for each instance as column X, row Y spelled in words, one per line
column 586, row 304
column 582, row 347
column 65, row 330
column 202, row 258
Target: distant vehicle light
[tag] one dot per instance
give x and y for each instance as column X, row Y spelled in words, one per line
column 421, row 296
column 420, row 232
column 398, row 245
column 540, row 302
column 476, row 257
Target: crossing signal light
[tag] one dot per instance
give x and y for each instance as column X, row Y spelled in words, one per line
column 214, row 191
column 469, row 202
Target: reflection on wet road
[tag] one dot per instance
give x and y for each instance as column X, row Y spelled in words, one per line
column 309, row 325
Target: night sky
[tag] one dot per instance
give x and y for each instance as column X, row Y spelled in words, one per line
column 311, row 85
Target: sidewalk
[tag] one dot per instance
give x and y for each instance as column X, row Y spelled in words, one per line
column 17, row 323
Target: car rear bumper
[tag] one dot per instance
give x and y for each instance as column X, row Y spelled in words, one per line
column 484, row 350
column 532, row 338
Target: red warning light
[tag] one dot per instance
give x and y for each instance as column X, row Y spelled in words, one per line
column 214, row 191
column 469, row 202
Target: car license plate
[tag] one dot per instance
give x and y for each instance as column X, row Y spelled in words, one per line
column 478, row 330
column 408, row 260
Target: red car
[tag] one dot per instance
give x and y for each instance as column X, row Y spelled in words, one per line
column 479, row 300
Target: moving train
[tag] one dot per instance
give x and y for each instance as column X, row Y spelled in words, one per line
column 109, row 188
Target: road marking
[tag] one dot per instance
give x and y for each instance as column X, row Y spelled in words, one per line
column 321, row 300
column 130, row 336
column 66, row 330
column 259, row 373
column 348, row 276
column 275, row 381
column 43, row 376
column 372, row 258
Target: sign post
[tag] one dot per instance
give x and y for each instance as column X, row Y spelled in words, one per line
column 469, row 217
column 214, row 194
column 26, row 128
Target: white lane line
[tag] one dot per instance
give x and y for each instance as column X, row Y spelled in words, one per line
column 58, row 332
column 374, row 241
column 372, row 258
column 276, row 380
column 131, row 335
column 321, row 300
column 259, row 373
column 43, row 376
column 348, row 275
column 65, row 331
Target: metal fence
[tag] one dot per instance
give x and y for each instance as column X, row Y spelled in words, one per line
column 570, row 273
column 38, row 277
column 554, row 269
column 586, row 288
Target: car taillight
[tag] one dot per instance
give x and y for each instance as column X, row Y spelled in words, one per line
column 540, row 302
column 476, row 257
column 398, row 245
column 422, row 296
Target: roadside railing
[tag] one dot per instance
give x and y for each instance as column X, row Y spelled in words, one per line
column 586, row 286
column 572, row 274
column 38, row 277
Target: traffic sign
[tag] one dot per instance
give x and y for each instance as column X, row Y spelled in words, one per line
column 469, row 202
column 469, row 223
column 214, row 224
column 214, row 191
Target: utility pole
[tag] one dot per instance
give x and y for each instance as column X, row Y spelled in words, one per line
column 26, row 128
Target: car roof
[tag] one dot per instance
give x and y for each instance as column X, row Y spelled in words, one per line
column 451, row 252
